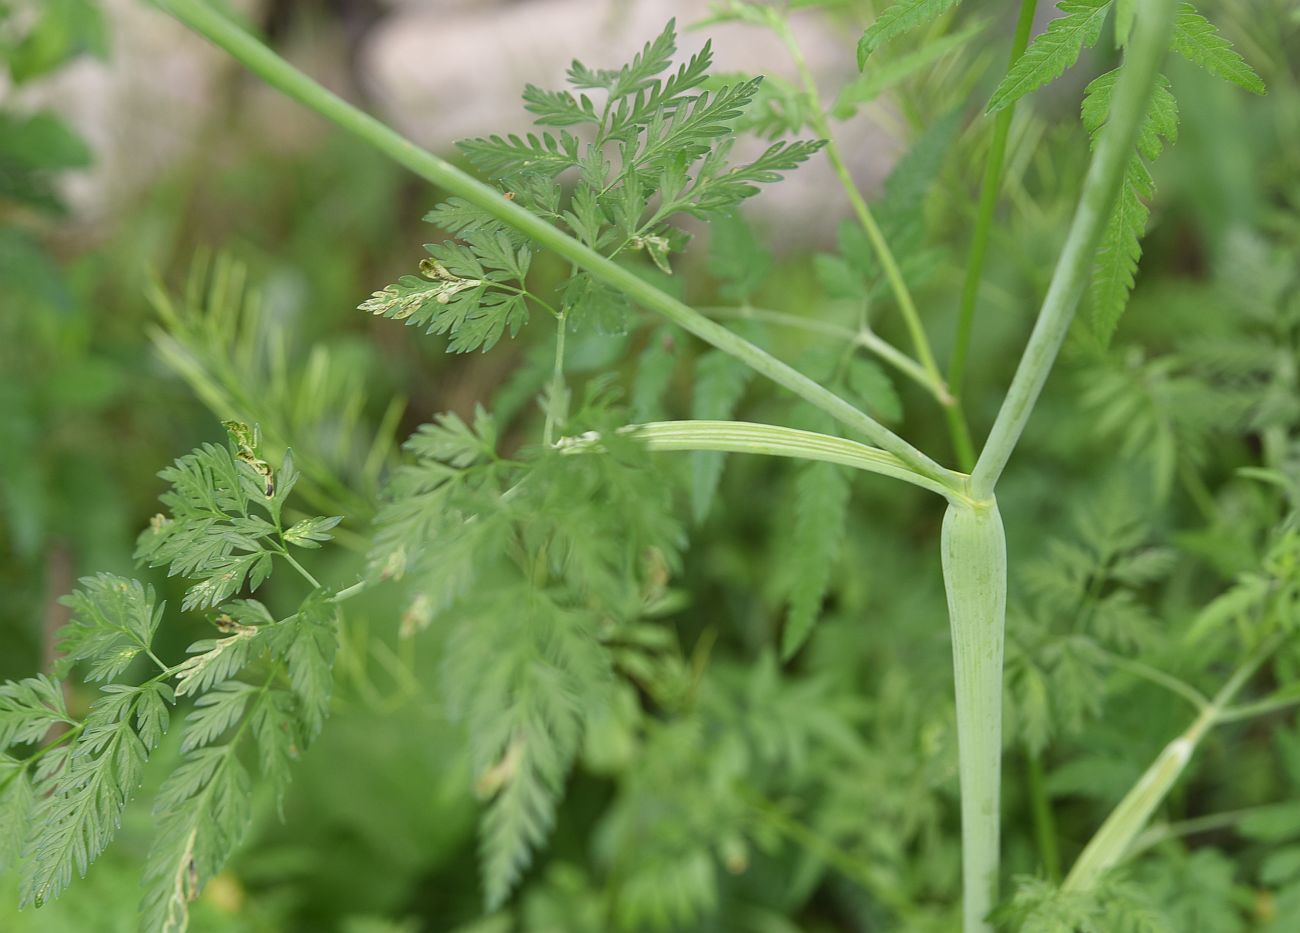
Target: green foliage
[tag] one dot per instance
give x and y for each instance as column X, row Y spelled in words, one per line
column 113, row 621
column 214, row 534
column 1054, row 51
column 821, row 503
column 1198, row 41
column 1120, row 906
column 1120, row 249
column 63, row 30
column 671, row 139
column 539, row 650
column 62, row 805
column 897, row 19
column 856, row 273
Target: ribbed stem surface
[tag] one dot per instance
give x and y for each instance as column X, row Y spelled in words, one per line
column 974, row 554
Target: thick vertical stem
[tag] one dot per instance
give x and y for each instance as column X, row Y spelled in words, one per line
column 974, row 555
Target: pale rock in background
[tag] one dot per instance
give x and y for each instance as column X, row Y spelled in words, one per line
column 442, row 70
column 438, row 70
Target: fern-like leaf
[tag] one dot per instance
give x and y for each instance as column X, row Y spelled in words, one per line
column 1198, row 41
column 203, row 810
column 29, row 709
column 1115, row 268
column 16, row 802
column 821, row 503
column 84, row 802
column 113, row 621
column 897, row 19
column 515, row 674
column 1054, row 51
column 546, row 154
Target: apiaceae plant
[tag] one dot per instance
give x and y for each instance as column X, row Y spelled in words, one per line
column 540, row 552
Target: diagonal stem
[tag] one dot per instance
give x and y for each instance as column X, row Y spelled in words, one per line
column 766, row 439
column 1113, row 841
column 989, row 188
column 1100, row 189
column 879, row 244
column 284, row 77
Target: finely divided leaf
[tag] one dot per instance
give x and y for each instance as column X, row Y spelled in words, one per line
column 821, row 503
column 547, row 154
column 737, row 257
column 29, row 709
column 901, row 17
column 1054, row 51
column 310, row 532
column 559, row 108
column 84, row 802
column 215, row 712
column 16, row 802
column 203, row 810
column 113, row 621
column 637, row 75
column 1198, row 41
column 516, row 675
column 1115, row 268
column 654, row 373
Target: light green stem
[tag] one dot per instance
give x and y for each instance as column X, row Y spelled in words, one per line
column 989, row 188
column 1155, row 835
column 974, row 553
column 766, row 439
column 1040, row 806
column 554, row 409
column 865, row 338
column 879, row 245
column 1100, row 188
column 284, row 77
column 1115, row 838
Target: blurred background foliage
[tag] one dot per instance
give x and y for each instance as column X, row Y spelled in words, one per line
column 815, row 795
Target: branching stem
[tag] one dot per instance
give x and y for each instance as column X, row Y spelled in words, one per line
column 1115, row 838
column 284, row 77
column 865, row 338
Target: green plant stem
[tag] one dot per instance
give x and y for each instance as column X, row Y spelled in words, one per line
column 1040, row 806
column 897, row 284
column 765, row 439
column 1157, row 677
column 1258, row 708
column 284, row 77
column 974, row 552
column 865, row 338
column 557, row 382
column 1114, row 839
column 306, row 575
column 349, row 591
column 825, row 849
column 1100, row 189
column 989, row 188
column 1154, row 835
